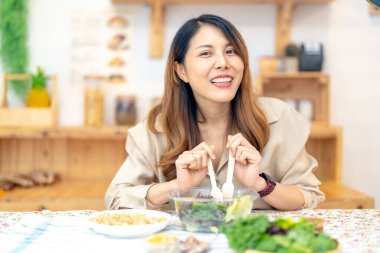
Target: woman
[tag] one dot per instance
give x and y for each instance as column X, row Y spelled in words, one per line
column 208, row 109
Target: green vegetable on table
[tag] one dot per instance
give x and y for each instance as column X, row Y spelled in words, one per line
column 282, row 235
column 207, row 210
column 240, row 208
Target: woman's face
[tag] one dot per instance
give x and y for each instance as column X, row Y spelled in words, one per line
column 211, row 67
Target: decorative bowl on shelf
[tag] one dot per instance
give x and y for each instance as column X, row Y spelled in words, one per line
column 199, row 212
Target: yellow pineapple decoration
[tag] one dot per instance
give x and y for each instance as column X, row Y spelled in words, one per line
column 38, row 95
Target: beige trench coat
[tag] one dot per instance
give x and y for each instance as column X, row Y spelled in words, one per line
column 284, row 158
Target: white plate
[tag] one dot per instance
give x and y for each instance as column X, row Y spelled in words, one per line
column 130, row 230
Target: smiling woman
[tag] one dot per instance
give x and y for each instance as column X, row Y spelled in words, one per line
column 208, row 110
column 211, row 59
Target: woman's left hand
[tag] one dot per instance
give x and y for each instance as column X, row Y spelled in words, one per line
column 247, row 160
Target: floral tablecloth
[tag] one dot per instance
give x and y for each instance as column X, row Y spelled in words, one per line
column 356, row 230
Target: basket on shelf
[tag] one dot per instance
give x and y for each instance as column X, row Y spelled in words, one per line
column 26, row 116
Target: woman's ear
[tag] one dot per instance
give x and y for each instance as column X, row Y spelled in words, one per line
column 180, row 70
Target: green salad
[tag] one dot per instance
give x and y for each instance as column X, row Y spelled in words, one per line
column 209, row 216
column 202, row 217
column 282, row 235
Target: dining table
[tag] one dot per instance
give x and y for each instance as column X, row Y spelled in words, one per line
column 356, row 230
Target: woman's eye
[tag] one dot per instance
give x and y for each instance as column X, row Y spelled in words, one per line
column 231, row 51
column 205, row 53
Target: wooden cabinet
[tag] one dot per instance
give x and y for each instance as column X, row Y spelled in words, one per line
column 88, row 158
column 325, row 141
column 85, row 158
column 313, row 87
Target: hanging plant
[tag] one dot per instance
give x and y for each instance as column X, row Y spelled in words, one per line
column 13, row 41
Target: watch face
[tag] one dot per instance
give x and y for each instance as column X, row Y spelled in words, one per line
column 268, row 178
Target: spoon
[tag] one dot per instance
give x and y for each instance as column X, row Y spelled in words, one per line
column 216, row 193
column 228, row 188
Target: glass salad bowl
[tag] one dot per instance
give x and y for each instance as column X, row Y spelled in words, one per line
column 199, row 212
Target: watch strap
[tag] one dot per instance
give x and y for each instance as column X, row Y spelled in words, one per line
column 270, row 185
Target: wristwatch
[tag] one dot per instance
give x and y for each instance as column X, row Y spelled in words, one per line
column 271, row 184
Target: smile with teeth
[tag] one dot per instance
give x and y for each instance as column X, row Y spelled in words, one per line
column 222, row 80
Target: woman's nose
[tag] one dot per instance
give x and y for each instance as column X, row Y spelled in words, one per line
column 221, row 62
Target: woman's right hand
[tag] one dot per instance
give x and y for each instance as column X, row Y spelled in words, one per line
column 191, row 165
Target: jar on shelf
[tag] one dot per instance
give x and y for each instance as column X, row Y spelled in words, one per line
column 93, row 101
column 125, row 112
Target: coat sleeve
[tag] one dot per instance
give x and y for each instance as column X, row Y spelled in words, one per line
column 300, row 173
column 285, row 157
column 299, row 166
column 136, row 175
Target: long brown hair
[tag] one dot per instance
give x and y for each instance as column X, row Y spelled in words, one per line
column 178, row 109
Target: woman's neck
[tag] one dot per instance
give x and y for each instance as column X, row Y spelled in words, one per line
column 214, row 128
column 215, row 114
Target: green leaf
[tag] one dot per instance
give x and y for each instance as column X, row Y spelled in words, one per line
column 246, row 233
column 39, row 79
column 323, row 242
column 267, row 243
column 13, row 40
column 284, row 223
column 252, row 233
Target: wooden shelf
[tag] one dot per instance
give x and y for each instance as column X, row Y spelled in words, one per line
column 298, row 75
column 284, row 11
column 98, row 133
column 323, row 131
column 313, row 87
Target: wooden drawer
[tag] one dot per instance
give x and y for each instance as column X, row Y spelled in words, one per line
column 340, row 196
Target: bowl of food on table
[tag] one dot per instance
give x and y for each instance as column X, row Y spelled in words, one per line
column 198, row 211
column 128, row 222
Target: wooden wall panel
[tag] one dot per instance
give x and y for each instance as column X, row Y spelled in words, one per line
column 43, row 155
column 9, row 156
column 76, row 161
column 5, row 163
column 94, row 158
column 59, row 157
column 26, row 156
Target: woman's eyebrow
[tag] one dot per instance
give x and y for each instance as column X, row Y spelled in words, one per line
column 210, row 46
column 201, row 46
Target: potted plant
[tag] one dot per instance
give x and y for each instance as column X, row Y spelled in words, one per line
column 291, row 58
column 38, row 96
column 13, row 46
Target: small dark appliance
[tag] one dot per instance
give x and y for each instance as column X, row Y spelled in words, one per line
column 311, row 57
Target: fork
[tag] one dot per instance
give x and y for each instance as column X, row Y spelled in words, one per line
column 216, row 193
column 228, row 188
